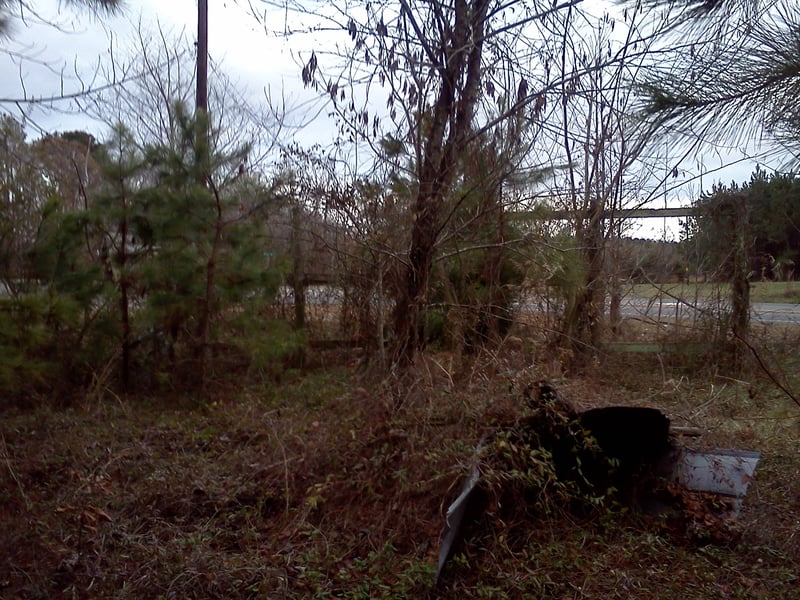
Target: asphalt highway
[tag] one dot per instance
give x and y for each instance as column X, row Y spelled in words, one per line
column 761, row 312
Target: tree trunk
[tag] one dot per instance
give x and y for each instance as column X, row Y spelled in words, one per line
column 121, row 260
column 298, row 270
column 124, row 307
column 448, row 128
column 496, row 305
column 414, row 288
column 581, row 329
column 740, row 286
column 209, row 298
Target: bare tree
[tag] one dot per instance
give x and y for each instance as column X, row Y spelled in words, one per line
column 431, row 59
column 458, row 78
column 596, row 58
column 159, row 74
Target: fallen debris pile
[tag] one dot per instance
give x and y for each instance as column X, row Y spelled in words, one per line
column 555, row 456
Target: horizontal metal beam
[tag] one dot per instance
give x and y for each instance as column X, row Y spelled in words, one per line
column 647, row 213
column 625, row 213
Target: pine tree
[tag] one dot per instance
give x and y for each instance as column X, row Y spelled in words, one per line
column 732, row 73
column 148, row 273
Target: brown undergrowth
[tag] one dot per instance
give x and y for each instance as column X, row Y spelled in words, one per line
column 333, row 484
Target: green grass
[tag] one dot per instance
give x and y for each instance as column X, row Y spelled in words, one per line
column 760, row 291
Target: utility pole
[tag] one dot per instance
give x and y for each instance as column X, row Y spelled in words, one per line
column 202, row 156
column 202, row 57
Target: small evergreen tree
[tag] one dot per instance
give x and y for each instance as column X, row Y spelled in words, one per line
column 158, row 268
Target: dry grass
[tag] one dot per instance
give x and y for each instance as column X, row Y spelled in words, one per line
column 335, row 485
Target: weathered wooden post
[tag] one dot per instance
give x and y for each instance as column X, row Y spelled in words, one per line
column 731, row 219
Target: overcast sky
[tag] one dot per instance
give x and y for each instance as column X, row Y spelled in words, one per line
column 62, row 51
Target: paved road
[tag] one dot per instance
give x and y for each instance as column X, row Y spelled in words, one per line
column 776, row 313
column 760, row 312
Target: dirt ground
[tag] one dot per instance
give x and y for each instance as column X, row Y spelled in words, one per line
column 335, row 483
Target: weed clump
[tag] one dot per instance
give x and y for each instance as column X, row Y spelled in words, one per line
column 544, row 461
